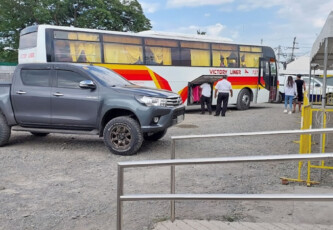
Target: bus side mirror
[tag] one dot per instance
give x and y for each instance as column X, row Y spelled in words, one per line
column 317, row 85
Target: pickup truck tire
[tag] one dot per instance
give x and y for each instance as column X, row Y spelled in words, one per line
column 5, row 130
column 154, row 136
column 39, row 134
column 123, row 136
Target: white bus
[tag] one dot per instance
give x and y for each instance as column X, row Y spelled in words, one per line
column 167, row 62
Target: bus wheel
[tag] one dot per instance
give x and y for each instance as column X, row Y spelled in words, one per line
column 244, row 99
column 154, row 136
column 5, row 130
column 123, row 136
column 279, row 100
column 329, row 99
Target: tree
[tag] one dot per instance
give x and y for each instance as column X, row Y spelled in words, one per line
column 119, row 15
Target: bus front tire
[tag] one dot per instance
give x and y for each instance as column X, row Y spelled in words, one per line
column 244, row 99
column 5, row 130
column 123, row 136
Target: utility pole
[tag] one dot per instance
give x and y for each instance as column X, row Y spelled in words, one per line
column 292, row 58
column 279, row 53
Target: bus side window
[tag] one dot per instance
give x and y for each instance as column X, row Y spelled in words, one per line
column 232, row 60
column 158, row 55
column 82, row 57
column 62, row 51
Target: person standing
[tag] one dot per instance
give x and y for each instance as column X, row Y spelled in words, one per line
column 289, row 93
column 300, row 85
column 206, row 92
column 223, row 88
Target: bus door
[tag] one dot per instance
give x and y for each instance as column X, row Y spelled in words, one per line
column 267, row 78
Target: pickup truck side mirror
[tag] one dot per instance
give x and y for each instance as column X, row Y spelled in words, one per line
column 87, row 84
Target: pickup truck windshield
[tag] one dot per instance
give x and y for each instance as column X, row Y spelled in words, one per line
column 109, row 77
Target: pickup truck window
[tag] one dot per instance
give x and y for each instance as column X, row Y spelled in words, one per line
column 108, row 77
column 35, row 77
column 69, row 79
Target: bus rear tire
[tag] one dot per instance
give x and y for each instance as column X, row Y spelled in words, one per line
column 244, row 99
column 279, row 100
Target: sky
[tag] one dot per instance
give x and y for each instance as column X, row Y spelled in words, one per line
column 272, row 23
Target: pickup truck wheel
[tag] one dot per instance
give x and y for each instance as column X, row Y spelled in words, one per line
column 154, row 136
column 123, row 136
column 39, row 134
column 5, row 130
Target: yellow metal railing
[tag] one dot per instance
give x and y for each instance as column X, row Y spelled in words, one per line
column 306, row 142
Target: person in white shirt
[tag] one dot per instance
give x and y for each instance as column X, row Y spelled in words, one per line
column 206, row 91
column 223, row 88
column 289, row 94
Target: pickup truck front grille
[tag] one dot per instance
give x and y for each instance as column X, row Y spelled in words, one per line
column 174, row 101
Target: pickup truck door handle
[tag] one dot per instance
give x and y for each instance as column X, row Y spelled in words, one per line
column 20, row 92
column 58, row 94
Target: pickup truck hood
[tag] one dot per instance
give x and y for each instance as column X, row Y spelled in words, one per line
column 145, row 91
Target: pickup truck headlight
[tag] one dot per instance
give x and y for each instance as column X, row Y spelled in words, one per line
column 151, row 101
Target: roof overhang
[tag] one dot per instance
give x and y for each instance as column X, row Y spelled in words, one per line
column 317, row 56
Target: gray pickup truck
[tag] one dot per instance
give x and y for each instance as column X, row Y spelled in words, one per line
column 86, row 99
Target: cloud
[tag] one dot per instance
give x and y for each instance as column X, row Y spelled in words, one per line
column 150, row 7
column 300, row 19
column 195, row 3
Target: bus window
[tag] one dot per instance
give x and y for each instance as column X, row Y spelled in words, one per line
column 157, row 56
column 221, row 58
column 194, row 57
column 85, row 51
column 62, row 52
column 160, row 42
column 28, row 40
column 225, row 55
column 232, row 60
column 76, row 36
column 122, row 54
column 249, row 56
column 122, row 39
column 249, row 59
column 195, row 54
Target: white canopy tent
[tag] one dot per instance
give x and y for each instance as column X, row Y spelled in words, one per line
column 322, row 49
column 322, row 58
column 322, row 52
column 299, row 66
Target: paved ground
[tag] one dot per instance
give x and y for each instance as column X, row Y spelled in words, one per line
column 219, row 225
column 70, row 181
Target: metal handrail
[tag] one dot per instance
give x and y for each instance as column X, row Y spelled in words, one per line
column 244, row 134
column 177, row 162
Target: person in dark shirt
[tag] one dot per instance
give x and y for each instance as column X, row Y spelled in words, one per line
column 300, row 85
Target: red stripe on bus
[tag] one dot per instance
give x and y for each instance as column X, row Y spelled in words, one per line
column 134, row 75
column 183, row 94
column 163, row 83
